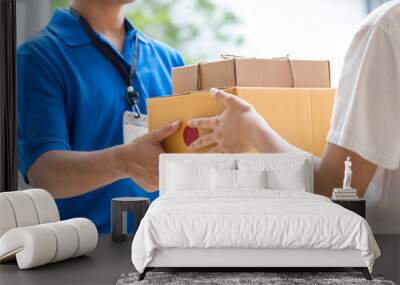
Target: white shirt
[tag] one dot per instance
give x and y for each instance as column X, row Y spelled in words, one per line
column 366, row 115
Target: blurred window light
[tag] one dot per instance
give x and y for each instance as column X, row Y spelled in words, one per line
column 204, row 29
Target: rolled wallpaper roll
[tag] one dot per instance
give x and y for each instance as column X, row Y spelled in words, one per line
column 67, row 240
column 31, row 232
column 7, row 218
column 26, row 208
column 23, row 208
column 33, row 246
column 87, row 235
column 45, row 205
column 40, row 244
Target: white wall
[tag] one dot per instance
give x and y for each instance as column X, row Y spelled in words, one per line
column 309, row 29
column 32, row 16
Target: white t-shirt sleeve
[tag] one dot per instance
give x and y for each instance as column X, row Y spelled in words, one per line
column 366, row 115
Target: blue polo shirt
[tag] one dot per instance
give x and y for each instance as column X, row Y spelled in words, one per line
column 70, row 97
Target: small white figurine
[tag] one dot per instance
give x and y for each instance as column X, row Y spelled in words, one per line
column 347, row 174
column 347, row 192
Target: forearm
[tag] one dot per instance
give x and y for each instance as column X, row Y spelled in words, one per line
column 71, row 173
column 328, row 171
column 324, row 180
column 266, row 140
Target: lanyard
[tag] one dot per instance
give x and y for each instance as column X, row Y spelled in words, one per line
column 132, row 96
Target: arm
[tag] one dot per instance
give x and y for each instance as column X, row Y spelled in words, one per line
column 240, row 128
column 71, row 173
column 328, row 171
column 45, row 156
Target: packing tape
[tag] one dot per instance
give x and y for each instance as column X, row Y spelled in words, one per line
column 7, row 217
column 291, row 73
column 199, row 85
column 23, row 208
column 229, row 56
column 45, row 206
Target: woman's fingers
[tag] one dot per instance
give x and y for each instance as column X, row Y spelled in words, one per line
column 206, row 123
column 226, row 99
column 203, row 141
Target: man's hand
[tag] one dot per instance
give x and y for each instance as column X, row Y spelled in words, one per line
column 139, row 159
column 235, row 130
column 72, row 173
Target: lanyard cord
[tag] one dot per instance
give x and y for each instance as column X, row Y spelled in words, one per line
column 132, row 96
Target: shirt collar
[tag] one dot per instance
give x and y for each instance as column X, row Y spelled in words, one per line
column 131, row 29
column 68, row 28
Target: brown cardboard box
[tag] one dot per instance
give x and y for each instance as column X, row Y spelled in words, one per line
column 300, row 115
column 251, row 72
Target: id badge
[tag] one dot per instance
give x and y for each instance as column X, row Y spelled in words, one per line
column 133, row 127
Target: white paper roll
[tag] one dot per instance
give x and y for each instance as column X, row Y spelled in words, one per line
column 7, row 218
column 33, row 246
column 40, row 244
column 24, row 210
column 87, row 234
column 67, row 239
column 45, row 206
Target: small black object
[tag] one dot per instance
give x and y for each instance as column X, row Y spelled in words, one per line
column 132, row 98
column 143, row 274
column 357, row 206
column 364, row 271
column 119, row 209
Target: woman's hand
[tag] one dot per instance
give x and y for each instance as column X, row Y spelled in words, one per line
column 238, row 129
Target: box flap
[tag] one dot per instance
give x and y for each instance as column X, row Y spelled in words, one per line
column 321, row 101
column 311, row 73
column 286, row 110
column 184, row 79
column 257, row 72
column 217, row 74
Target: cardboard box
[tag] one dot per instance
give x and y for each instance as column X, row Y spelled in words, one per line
column 251, row 72
column 300, row 115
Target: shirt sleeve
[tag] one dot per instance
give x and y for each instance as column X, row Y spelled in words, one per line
column 179, row 61
column 366, row 113
column 41, row 112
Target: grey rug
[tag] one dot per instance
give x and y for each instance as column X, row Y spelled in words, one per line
column 269, row 278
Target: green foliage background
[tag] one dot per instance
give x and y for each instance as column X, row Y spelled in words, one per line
column 160, row 19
